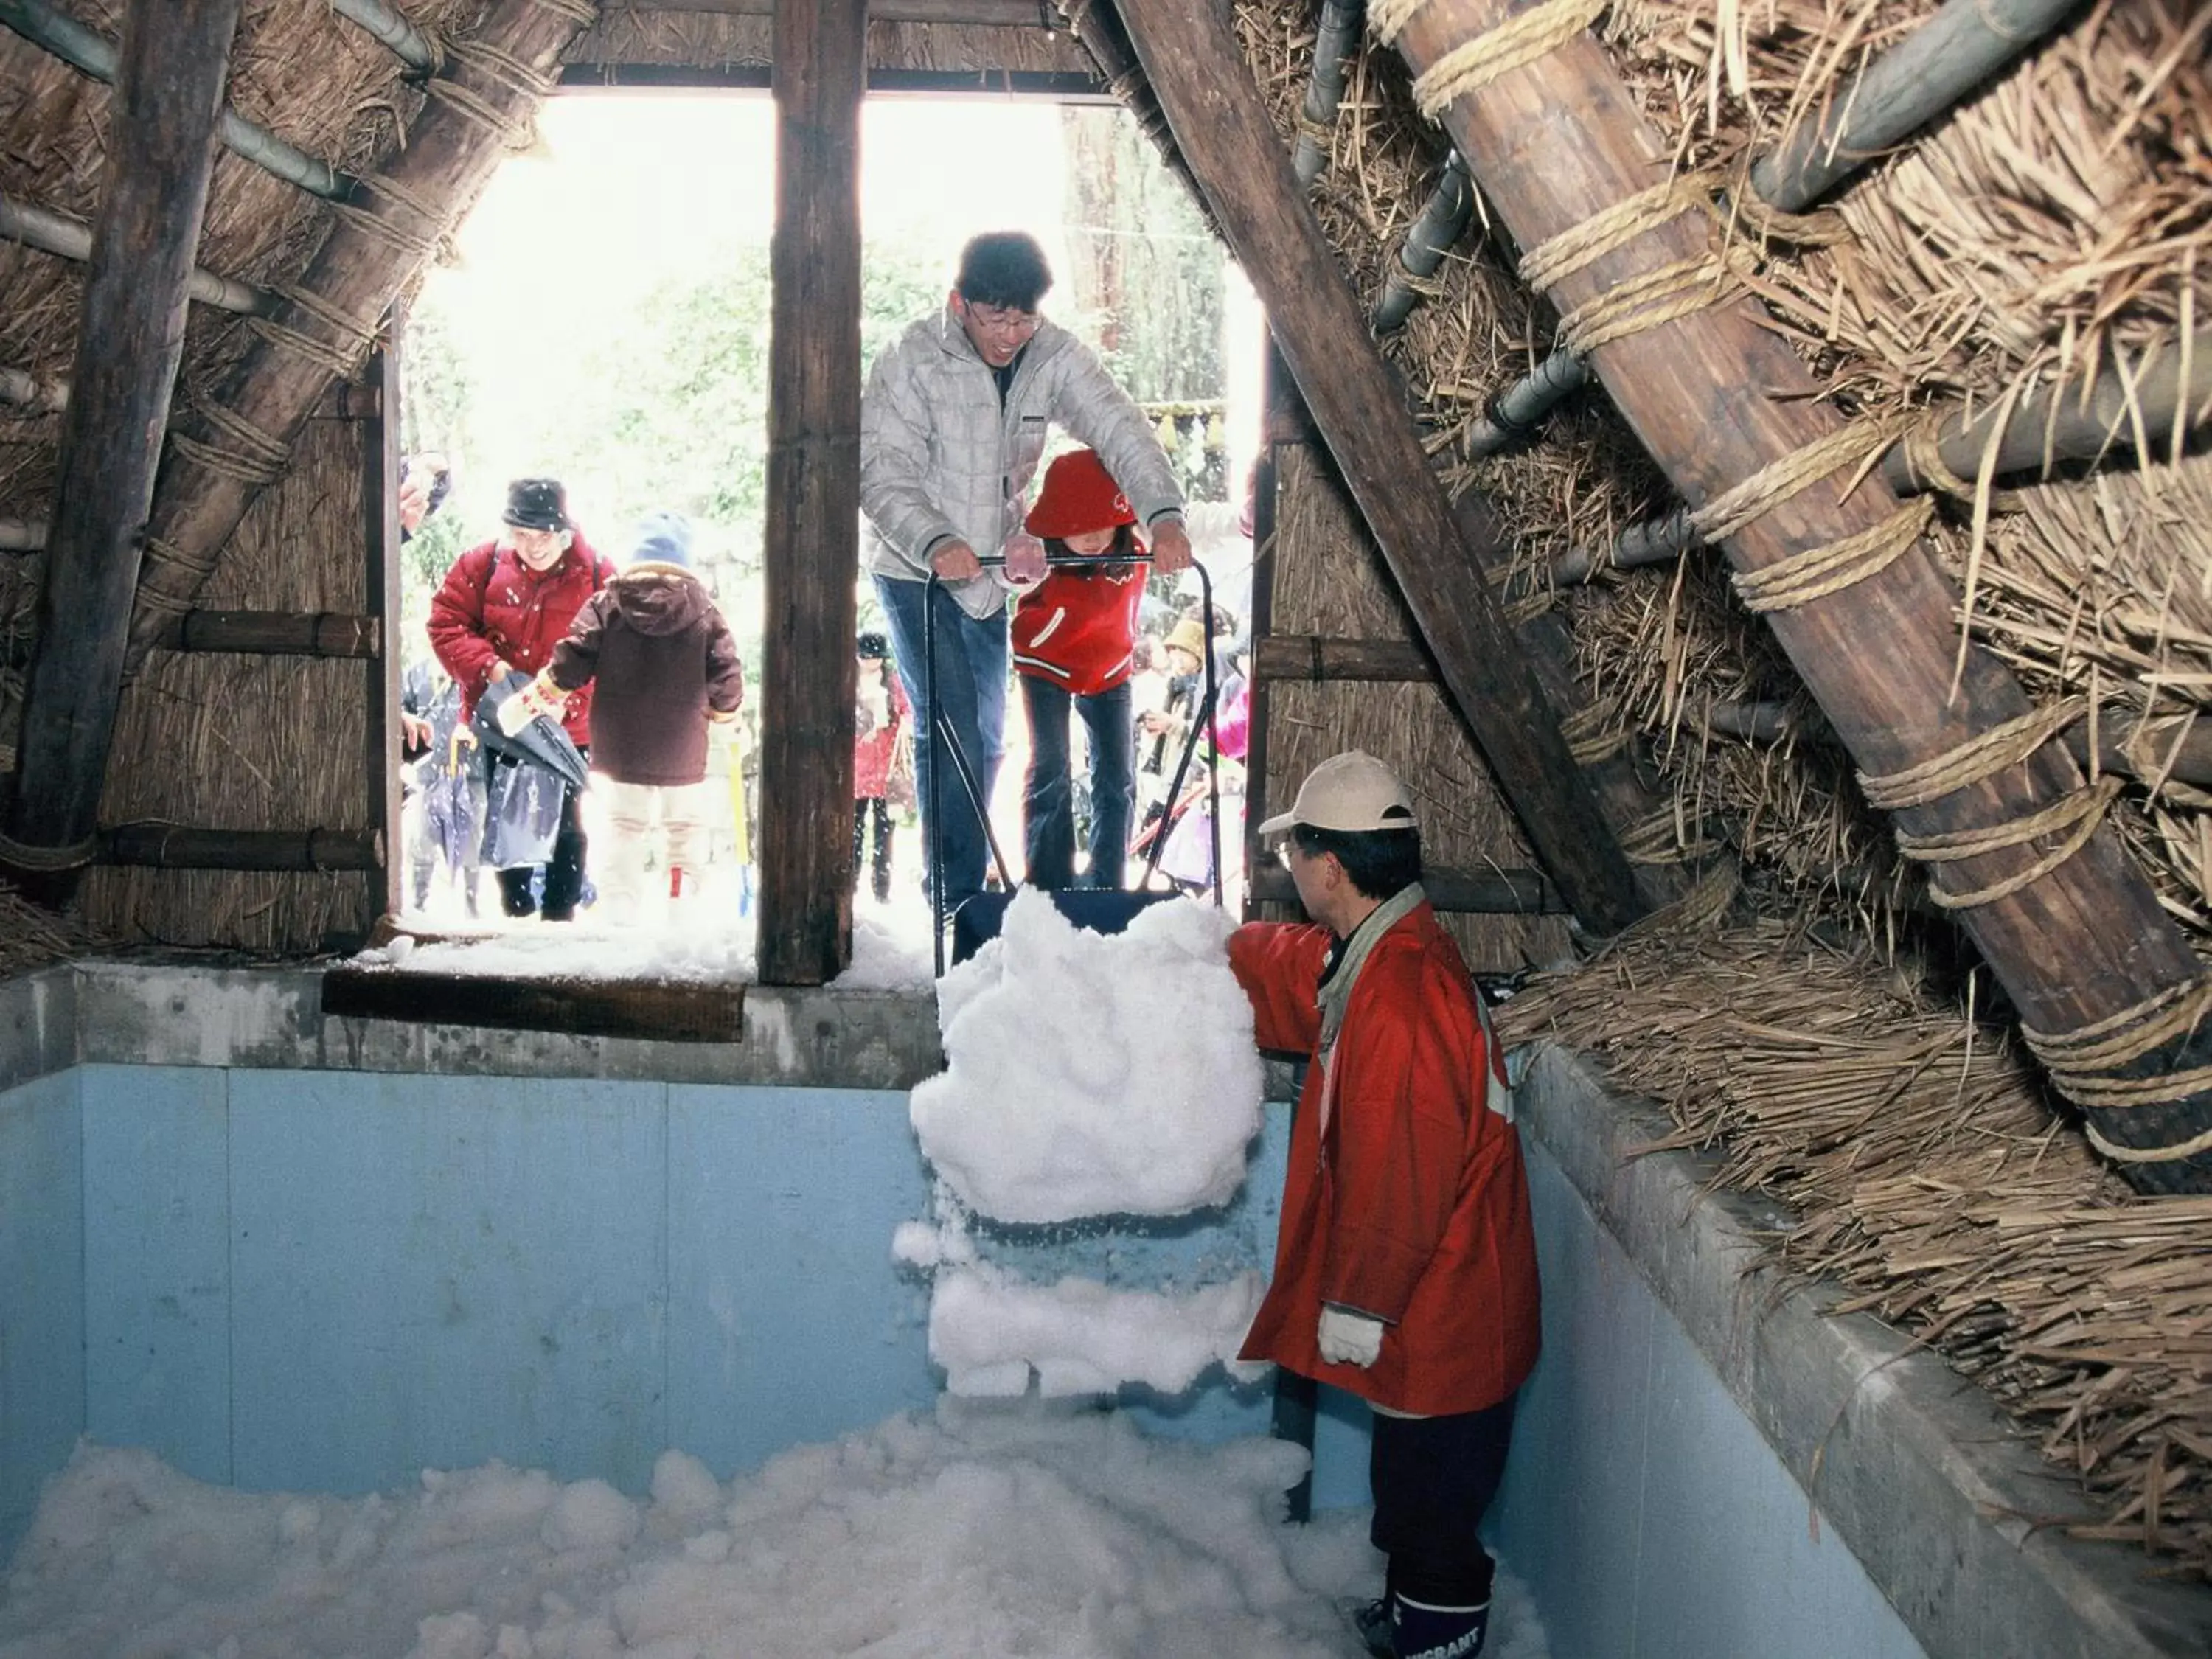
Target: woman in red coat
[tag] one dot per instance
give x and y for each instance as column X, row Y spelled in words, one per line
column 503, row 607
column 1074, row 635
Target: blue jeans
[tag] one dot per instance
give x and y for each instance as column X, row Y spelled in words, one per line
column 971, row 688
column 1048, row 812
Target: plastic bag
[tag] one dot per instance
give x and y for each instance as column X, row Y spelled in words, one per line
column 523, row 811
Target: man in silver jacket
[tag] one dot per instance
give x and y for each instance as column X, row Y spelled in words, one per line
column 952, row 426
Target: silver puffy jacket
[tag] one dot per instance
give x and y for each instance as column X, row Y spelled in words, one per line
column 940, row 457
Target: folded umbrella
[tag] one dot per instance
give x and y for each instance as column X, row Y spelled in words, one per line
column 539, row 740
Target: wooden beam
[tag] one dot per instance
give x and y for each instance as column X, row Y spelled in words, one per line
column 813, row 514
column 1717, row 396
column 175, row 56
column 187, row 847
column 1198, row 73
column 1052, row 86
column 1317, row 658
column 276, row 633
column 481, row 104
column 670, row 1012
column 381, row 538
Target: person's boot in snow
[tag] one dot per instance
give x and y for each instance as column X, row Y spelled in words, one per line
column 1376, row 1626
column 1425, row 1631
column 680, row 882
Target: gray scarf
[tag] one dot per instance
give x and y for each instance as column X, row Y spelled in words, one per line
column 1335, row 991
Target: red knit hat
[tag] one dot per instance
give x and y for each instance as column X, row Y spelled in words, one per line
column 1079, row 495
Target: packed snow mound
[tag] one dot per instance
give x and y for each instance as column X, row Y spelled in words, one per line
column 984, row 1530
column 1093, row 1075
column 989, row 1329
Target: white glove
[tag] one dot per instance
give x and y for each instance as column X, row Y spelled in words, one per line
column 1349, row 1338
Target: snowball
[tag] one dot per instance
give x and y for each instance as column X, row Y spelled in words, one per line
column 1093, row 1075
column 591, row 1514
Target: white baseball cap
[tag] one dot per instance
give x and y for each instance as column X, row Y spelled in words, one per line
column 1352, row 791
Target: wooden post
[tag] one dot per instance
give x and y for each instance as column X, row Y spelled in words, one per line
column 808, row 671
column 175, row 58
column 380, row 515
column 1205, row 88
column 1716, row 396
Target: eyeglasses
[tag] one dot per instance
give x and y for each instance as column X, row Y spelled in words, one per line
column 1287, row 851
column 1004, row 321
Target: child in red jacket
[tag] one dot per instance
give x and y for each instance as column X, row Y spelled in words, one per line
column 1074, row 634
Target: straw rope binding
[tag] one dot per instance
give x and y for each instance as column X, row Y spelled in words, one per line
column 2079, row 814
column 1820, row 571
column 1561, row 256
column 1473, row 64
column 1655, row 298
column 2128, row 1035
column 1791, row 474
column 1981, row 756
column 258, row 459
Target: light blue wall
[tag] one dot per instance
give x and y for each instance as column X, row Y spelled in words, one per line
column 329, row 1280
column 41, row 1292
column 1647, row 1515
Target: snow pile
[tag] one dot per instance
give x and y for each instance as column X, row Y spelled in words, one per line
column 986, row 1530
column 987, row 1330
column 1093, row 1075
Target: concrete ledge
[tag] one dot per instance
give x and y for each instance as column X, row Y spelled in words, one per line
column 1937, row 1495
column 131, row 1013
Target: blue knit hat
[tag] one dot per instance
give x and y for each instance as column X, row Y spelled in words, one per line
column 663, row 537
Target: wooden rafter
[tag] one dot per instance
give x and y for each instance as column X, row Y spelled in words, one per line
column 172, row 65
column 1205, row 89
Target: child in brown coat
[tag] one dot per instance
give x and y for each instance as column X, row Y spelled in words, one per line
column 665, row 665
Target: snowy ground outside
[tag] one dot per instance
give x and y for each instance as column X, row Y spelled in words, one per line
column 987, row 1530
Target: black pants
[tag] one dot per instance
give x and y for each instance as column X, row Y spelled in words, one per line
column 564, row 873
column 864, row 809
column 1433, row 1479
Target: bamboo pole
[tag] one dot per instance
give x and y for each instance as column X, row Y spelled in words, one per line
column 276, row 633
column 1338, row 33
column 2161, row 401
column 409, row 44
column 478, row 110
column 1557, row 138
column 129, row 342
column 187, row 847
column 69, row 238
column 807, row 672
column 87, row 51
column 1198, row 74
column 1442, row 221
column 1920, row 80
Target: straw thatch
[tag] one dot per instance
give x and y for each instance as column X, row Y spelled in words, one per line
column 1930, row 1176
column 2053, row 223
column 256, row 743
column 32, row 936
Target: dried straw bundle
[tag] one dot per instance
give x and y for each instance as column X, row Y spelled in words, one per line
column 1931, row 1177
column 31, row 936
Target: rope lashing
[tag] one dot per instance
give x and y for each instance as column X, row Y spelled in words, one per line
column 161, row 602
column 2129, row 1034
column 577, row 11
column 1579, row 244
column 1652, row 300
column 2110, row 1094
column 2173, row 1154
column 356, row 337
column 1979, row 757
column 1657, row 840
column 46, row 860
column 1923, row 453
column 474, row 105
column 1790, row 475
column 393, row 191
column 498, row 64
column 2076, row 815
column 163, row 554
column 257, row 459
column 1473, row 64
column 1819, row 572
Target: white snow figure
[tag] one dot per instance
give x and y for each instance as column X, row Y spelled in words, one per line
column 1090, row 1074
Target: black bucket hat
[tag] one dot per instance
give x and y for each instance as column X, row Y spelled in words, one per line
column 536, row 504
column 871, row 644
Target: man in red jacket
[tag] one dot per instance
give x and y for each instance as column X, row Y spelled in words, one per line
column 1406, row 1267
column 504, row 606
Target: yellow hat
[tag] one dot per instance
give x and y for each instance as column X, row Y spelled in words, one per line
column 1186, row 636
